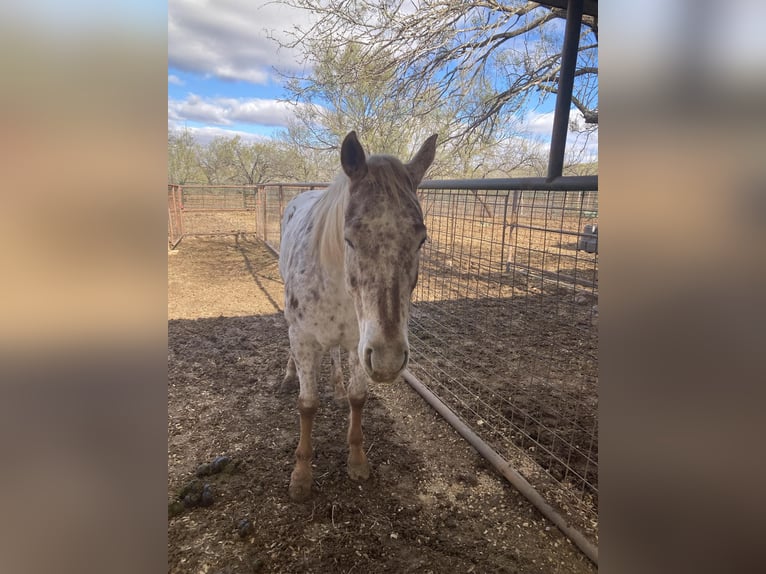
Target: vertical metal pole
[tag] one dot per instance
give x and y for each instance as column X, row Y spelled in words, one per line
column 502, row 241
column 171, row 216
column 179, row 207
column 263, row 217
column 258, row 202
column 564, row 95
column 281, row 212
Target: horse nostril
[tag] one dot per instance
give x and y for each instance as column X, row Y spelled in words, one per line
column 368, row 358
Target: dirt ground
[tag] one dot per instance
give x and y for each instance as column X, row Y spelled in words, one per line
column 431, row 504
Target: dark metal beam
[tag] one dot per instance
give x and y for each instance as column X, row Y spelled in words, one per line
column 568, row 183
column 566, row 82
column 590, row 7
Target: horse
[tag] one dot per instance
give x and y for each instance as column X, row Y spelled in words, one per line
column 290, row 382
column 349, row 258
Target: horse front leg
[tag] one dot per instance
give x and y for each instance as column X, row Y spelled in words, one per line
column 291, row 381
column 336, row 378
column 307, row 359
column 358, row 466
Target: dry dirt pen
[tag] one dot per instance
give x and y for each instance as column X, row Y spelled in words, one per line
column 504, row 321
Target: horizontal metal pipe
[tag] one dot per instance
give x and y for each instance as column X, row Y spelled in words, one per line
column 257, row 186
column 568, row 183
column 218, row 233
column 554, row 277
column 546, row 229
column 502, row 466
column 271, row 248
column 565, row 183
column 216, row 209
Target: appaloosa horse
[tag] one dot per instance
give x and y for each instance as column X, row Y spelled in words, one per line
column 349, row 258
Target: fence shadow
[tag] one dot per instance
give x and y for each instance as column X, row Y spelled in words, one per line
column 257, row 273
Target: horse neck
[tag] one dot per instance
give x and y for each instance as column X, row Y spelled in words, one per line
column 328, row 226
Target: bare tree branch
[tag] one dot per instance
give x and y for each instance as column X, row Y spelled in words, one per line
column 483, row 60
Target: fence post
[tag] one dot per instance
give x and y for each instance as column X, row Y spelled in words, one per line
column 175, row 216
column 180, row 207
column 281, row 210
column 171, row 215
column 263, row 214
column 258, row 208
column 502, row 239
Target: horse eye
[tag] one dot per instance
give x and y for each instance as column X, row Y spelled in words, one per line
column 351, row 245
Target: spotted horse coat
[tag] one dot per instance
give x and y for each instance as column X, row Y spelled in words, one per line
column 349, row 258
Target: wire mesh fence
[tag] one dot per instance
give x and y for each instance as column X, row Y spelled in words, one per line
column 175, row 217
column 504, row 331
column 195, row 210
column 271, row 206
column 504, row 323
column 218, row 210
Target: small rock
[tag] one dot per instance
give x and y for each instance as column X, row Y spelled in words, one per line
column 468, row 478
column 191, row 487
column 206, row 498
column 175, row 508
column 219, row 463
column 192, row 499
column 204, row 469
column 192, row 494
column 244, row 528
column 582, row 299
column 257, row 565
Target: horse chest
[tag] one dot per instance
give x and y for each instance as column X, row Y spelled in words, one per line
column 327, row 315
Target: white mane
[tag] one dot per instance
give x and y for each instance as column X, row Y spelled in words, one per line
column 329, row 211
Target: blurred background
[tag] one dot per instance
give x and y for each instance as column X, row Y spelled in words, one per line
column 83, row 118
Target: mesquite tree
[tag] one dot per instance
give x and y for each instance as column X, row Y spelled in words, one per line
column 483, row 59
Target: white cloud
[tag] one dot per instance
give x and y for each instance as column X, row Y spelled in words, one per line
column 582, row 146
column 230, row 111
column 205, row 135
column 230, row 40
column 173, row 79
column 539, row 124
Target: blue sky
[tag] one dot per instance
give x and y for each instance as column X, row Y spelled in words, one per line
column 221, row 70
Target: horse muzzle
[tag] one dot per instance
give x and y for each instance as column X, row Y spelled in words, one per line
column 383, row 363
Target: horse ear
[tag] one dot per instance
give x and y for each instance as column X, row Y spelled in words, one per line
column 423, row 159
column 352, row 157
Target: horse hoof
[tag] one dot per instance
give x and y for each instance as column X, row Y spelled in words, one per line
column 289, row 384
column 359, row 471
column 300, row 491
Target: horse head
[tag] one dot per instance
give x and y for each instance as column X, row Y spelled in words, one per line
column 383, row 233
